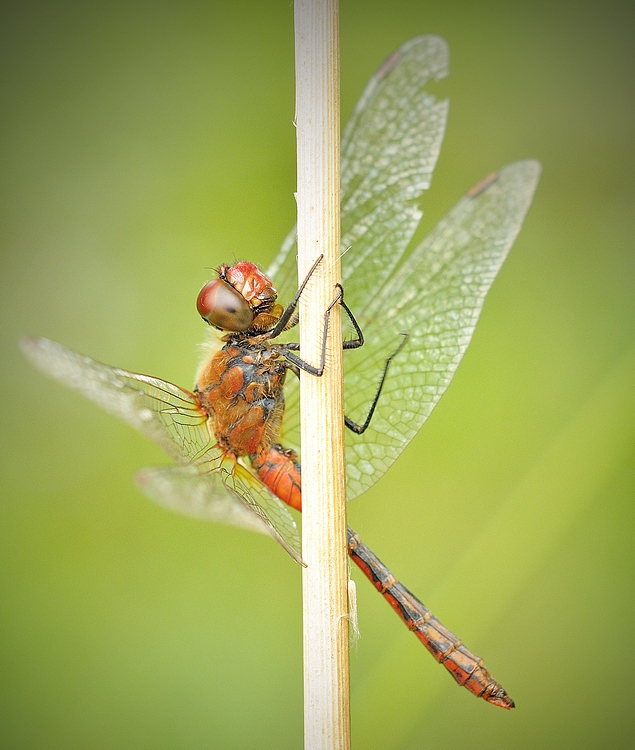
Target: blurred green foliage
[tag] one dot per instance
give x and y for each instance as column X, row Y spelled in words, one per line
column 143, row 144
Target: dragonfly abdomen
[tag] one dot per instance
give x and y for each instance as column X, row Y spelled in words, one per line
column 278, row 468
column 466, row 668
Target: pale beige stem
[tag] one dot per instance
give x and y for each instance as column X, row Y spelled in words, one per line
column 326, row 675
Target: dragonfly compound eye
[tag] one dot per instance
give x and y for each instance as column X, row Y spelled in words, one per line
column 220, row 305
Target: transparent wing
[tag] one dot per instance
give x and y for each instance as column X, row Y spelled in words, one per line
column 160, row 410
column 184, row 490
column 436, row 297
column 235, row 498
column 208, row 483
column 269, row 509
column 389, row 150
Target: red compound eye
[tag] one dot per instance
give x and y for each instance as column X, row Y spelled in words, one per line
column 220, row 305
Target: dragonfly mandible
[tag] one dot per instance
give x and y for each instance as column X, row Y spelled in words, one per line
column 235, row 437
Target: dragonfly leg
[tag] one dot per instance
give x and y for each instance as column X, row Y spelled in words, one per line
column 292, row 346
column 360, row 428
column 288, row 319
column 288, row 349
column 359, row 341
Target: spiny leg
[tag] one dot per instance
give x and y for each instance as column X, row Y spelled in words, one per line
column 286, row 320
column 354, row 426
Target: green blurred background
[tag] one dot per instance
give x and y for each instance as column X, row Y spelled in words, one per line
column 143, row 144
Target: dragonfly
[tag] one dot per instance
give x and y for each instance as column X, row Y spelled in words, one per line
column 410, row 316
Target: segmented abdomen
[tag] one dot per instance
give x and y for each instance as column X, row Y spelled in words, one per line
column 466, row 668
column 279, row 469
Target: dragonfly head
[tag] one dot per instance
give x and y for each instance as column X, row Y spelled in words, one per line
column 240, row 299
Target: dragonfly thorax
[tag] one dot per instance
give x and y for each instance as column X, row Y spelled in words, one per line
column 240, row 388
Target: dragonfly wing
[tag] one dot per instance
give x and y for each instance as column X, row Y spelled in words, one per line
column 271, row 511
column 389, row 150
column 160, row 410
column 436, row 297
column 185, row 490
column 210, row 484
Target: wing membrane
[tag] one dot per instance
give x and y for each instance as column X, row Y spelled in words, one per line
column 167, row 414
column 204, row 485
column 236, row 499
column 436, row 297
column 389, row 150
column 270, row 510
column 184, row 490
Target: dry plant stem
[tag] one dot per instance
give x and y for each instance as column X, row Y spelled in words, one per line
column 326, row 675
